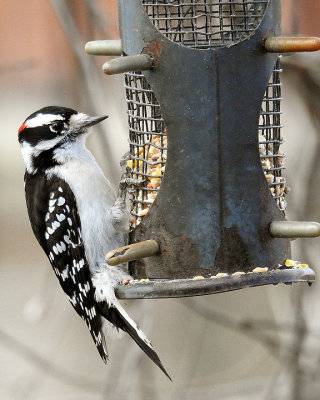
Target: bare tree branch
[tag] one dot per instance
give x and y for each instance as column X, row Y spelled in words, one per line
column 95, row 95
column 47, row 366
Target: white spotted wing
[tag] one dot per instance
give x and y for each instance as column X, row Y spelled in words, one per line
column 57, row 226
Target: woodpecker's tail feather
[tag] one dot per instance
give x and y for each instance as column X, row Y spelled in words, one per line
column 95, row 329
column 117, row 315
column 101, row 346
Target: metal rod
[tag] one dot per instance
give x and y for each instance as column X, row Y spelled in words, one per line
column 291, row 44
column 119, row 65
column 294, row 229
column 133, row 251
column 104, row 47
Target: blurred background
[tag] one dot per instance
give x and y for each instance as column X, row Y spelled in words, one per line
column 258, row 343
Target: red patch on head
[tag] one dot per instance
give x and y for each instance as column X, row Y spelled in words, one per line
column 22, row 127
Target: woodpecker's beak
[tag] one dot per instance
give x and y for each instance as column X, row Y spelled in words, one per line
column 79, row 123
column 90, row 121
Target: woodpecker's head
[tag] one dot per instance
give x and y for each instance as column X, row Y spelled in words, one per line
column 50, row 129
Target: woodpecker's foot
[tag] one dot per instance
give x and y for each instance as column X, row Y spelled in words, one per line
column 127, row 185
column 126, row 182
column 124, row 159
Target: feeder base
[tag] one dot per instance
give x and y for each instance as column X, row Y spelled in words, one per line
column 157, row 289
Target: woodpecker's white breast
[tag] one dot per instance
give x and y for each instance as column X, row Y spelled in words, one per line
column 94, row 197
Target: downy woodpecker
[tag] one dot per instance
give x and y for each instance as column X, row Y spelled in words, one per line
column 77, row 219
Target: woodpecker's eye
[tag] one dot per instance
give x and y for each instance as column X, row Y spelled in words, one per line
column 57, row 126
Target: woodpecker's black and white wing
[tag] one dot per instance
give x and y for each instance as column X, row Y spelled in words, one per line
column 56, row 224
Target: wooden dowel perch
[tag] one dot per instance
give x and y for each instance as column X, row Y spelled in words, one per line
column 120, row 65
column 292, row 44
column 132, row 252
column 295, row 229
column 104, row 47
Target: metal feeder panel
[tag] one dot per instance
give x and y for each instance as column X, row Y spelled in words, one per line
column 214, row 207
column 148, row 142
column 203, row 91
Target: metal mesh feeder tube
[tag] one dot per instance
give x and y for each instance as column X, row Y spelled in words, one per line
column 205, row 143
column 210, row 111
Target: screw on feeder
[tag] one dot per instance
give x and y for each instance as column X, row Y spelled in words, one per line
column 104, row 47
column 292, row 44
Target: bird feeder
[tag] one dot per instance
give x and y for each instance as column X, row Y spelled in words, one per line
column 203, row 91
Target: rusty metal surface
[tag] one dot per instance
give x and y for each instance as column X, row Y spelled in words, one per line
column 214, row 207
column 189, row 287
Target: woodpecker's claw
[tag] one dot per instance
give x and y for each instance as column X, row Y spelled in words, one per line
column 123, row 160
column 126, row 182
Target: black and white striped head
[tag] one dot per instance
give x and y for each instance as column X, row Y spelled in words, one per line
column 49, row 129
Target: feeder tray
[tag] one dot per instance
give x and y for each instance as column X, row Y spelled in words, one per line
column 156, row 289
column 203, row 91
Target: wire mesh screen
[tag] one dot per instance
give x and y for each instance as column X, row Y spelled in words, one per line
column 270, row 138
column 206, row 23
column 148, row 142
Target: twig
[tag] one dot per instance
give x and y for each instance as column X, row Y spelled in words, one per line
column 46, row 365
column 308, row 71
column 91, row 82
column 131, row 359
column 241, row 326
column 298, row 347
column 97, row 17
